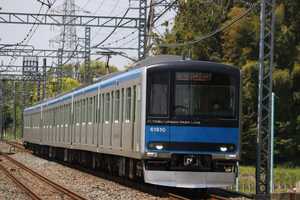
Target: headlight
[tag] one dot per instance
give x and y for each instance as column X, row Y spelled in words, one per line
column 159, row 146
column 223, row 149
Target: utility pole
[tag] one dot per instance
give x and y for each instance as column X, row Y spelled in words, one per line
column 38, row 87
column 44, row 77
column 59, row 72
column 87, row 57
column 264, row 127
column 142, row 40
column 15, row 112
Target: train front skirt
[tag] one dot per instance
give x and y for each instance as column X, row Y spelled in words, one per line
column 187, row 179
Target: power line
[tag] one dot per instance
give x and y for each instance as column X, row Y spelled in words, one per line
column 122, row 38
column 224, row 27
column 112, row 32
column 112, row 11
column 27, row 35
column 99, row 7
column 87, row 3
column 31, row 32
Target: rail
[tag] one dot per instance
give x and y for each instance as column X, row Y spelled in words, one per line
column 31, row 194
column 58, row 187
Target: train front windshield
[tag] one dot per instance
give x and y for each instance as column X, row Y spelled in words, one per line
column 191, row 95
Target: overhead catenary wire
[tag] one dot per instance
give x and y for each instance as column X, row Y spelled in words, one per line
column 111, row 12
column 31, row 31
column 122, row 38
column 224, row 27
column 112, row 32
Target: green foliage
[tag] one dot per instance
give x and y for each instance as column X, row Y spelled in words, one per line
column 98, row 68
column 240, row 42
column 285, row 178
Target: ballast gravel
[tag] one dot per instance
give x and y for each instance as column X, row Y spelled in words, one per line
column 86, row 185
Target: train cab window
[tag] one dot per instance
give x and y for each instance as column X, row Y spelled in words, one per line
column 158, row 93
column 107, row 108
column 200, row 94
column 128, row 105
column 117, row 106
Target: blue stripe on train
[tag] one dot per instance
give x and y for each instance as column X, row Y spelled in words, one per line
column 159, row 133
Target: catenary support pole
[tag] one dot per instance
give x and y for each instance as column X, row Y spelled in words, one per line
column 266, row 51
column 272, row 145
column 44, row 78
column 15, row 111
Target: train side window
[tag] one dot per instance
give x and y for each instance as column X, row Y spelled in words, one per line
column 117, row 106
column 94, row 109
column 86, row 111
column 101, row 109
column 107, row 108
column 90, row 111
column 134, row 104
column 128, row 105
column 79, row 111
column 75, row 111
column 77, row 114
column 54, row 115
column 112, row 106
column 63, row 114
column 122, row 105
column 70, row 114
column 83, row 114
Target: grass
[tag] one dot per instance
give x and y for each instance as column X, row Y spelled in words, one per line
column 285, row 178
column 9, row 135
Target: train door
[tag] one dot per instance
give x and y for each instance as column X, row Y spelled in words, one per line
column 72, row 121
column 128, row 135
column 136, row 118
column 42, row 125
column 95, row 125
column 100, row 118
column 63, row 122
column 83, row 122
column 107, row 120
column 78, row 117
column 55, row 115
column 69, row 125
column 90, row 113
column 116, row 123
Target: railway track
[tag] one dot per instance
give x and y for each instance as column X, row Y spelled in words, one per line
column 187, row 196
column 63, row 192
column 210, row 194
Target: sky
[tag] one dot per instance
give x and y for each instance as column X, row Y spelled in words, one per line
column 12, row 33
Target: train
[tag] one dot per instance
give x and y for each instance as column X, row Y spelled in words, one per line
column 166, row 121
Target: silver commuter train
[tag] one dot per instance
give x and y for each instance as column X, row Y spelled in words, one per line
column 169, row 121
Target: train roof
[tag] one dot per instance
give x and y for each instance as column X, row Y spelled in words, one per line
column 161, row 60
